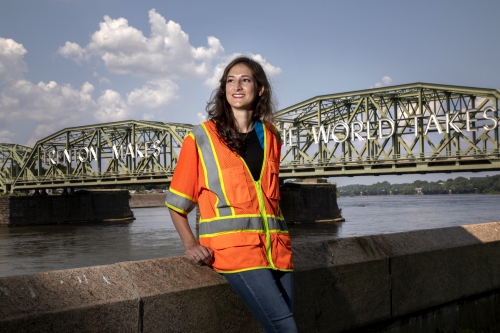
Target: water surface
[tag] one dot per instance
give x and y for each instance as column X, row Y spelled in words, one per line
column 31, row 249
column 389, row 214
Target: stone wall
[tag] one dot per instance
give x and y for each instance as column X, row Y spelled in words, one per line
column 82, row 206
column 147, row 200
column 415, row 281
column 319, row 198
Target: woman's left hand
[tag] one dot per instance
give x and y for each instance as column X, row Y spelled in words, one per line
column 200, row 254
column 194, row 251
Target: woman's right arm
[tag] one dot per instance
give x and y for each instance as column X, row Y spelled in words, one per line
column 194, row 250
column 182, row 198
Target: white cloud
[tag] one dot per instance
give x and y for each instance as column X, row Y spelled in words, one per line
column 42, row 131
column 102, row 80
column 213, row 81
column 167, row 52
column 37, row 110
column 201, row 117
column 111, row 107
column 30, row 111
column 73, row 51
column 154, row 94
column 34, row 111
column 148, row 116
column 6, row 136
column 44, row 102
column 12, row 64
column 270, row 69
column 386, row 80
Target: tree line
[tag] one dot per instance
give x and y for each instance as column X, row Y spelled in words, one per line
column 459, row 185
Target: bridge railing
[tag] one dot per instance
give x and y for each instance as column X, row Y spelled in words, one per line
column 486, row 154
column 95, row 179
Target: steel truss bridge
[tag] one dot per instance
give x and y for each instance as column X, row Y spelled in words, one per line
column 431, row 128
column 413, row 128
column 119, row 153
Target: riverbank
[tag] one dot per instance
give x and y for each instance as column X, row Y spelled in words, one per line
column 412, row 194
column 147, row 200
column 459, row 185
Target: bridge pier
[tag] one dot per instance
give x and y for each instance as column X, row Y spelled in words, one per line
column 79, row 207
column 310, row 201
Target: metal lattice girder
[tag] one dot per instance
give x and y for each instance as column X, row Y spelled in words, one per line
column 411, row 128
column 126, row 152
column 414, row 128
column 12, row 158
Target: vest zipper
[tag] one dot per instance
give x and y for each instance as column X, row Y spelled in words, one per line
column 262, row 208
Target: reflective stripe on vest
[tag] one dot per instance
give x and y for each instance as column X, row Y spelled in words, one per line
column 212, row 170
column 250, row 223
column 178, row 201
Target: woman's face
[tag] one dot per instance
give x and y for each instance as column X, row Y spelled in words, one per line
column 241, row 89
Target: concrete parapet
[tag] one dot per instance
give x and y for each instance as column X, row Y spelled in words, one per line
column 387, row 283
column 432, row 267
column 92, row 299
column 179, row 296
column 340, row 285
column 159, row 295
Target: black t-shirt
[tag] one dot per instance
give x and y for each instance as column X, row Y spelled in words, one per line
column 254, row 154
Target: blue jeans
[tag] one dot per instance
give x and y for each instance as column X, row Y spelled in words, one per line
column 268, row 294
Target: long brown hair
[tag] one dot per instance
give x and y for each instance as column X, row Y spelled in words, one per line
column 220, row 111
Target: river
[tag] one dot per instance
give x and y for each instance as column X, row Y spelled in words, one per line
column 30, row 249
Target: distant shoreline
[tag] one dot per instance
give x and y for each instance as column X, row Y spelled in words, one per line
column 459, row 185
column 406, row 195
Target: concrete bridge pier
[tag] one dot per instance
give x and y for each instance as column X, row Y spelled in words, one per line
column 312, row 200
column 79, row 207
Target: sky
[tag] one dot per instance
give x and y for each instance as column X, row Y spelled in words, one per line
column 67, row 63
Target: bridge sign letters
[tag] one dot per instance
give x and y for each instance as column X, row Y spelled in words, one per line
column 120, row 152
column 385, row 127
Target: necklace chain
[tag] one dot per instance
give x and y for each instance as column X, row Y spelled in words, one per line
column 248, row 131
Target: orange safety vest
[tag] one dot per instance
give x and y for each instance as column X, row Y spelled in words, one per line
column 240, row 218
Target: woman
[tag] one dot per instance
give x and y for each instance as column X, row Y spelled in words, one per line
column 229, row 166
